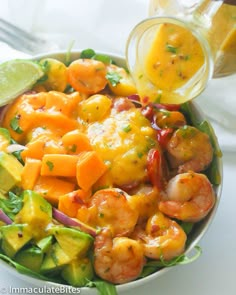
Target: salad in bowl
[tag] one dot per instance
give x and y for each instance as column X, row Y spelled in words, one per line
column 98, row 187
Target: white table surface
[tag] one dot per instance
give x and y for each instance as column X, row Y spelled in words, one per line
column 102, row 23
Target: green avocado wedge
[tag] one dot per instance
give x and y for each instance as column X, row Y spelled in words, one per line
column 74, row 243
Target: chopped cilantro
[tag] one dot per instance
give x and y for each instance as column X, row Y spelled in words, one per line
column 87, row 53
column 103, row 58
column 113, row 77
column 50, row 165
column 12, row 205
column 45, row 66
column 127, row 128
column 140, row 155
column 171, row 48
column 14, row 124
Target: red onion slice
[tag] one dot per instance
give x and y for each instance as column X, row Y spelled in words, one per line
column 4, row 217
column 71, row 222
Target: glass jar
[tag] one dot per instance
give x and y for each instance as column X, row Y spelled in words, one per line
column 180, row 47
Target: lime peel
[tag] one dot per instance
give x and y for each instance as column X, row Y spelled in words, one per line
column 16, row 77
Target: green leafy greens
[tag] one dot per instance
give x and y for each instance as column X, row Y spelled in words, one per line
column 153, row 266
column 12, row 205
column 212, row 171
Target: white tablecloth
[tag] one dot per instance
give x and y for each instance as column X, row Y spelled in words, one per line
column 104, row 25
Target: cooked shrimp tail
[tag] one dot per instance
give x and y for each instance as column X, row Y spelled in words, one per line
column 162, row 237
column 189, row 197
column 117, row 260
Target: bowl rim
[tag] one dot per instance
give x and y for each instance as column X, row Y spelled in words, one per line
column 120, row 60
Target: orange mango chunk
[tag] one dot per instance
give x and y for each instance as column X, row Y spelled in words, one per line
column 76, row 142
column 51, row 188
column 44, row 144
column 90, row 167
column 30, row 173
column 59, row 165
column 60, row 102
column 71, row 202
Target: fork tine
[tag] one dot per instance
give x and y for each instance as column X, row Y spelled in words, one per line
column 22, row 40
column 13, row 42
column 16, row 42
column 12, row 29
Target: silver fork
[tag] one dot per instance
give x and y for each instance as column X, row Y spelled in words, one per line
column 22, row 40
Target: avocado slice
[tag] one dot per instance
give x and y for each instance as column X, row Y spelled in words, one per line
column 10, row 171
column 55, row 259
column 5, row 139
column 45, row 244
column 75, row 243
column 14, row 237
column 31, row 258
column 36, row 212
column 78, row 272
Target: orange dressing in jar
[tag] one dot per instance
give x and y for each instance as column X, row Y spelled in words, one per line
column 172, row 57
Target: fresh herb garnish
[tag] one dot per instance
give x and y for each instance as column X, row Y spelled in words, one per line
column 103, row 287
column 103, row 58
column 11, row 205
column 127, row 128
column 113, row 77
column 50, row 165
column 171, row 48
column 154, row 265
column 87, row 53
column 140, row 155
column 14, row 124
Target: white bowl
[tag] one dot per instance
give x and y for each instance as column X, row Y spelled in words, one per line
column 199, row 230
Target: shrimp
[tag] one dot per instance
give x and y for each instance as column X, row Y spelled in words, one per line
column 117, row 260
column 162, row 237
column 169, row 119
column 110, row 208
column 189, row 197
column 87, row 75
column 189, row 149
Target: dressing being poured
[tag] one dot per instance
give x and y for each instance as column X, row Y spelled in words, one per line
column 172, row 59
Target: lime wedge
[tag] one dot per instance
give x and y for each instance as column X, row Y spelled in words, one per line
column 16, row 77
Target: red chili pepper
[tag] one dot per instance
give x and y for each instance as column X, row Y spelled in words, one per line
column 163, row 136
column 154, row 168
column 148, row 112
column 168, row 107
